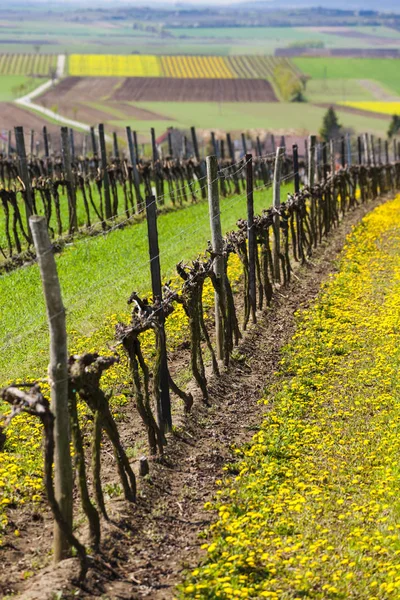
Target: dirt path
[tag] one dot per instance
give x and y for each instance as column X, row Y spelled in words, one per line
column 377, row 90
column 149, row 544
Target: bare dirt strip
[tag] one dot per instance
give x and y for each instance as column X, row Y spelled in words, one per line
column 147, row 546
column 378, row 90
column 354, row 111
column 150, row 89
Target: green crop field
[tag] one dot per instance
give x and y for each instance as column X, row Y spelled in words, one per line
column 238, row 116
column 384, row 71
column 336, row 90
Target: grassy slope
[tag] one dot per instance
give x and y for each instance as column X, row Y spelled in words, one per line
column 336, row 90
column 10, row 84
column 97, row 276
column 239, row 116
column 385, row 71
column 313, row 511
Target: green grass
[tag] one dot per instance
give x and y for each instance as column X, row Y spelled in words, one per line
column 336, row 90
column 385, row 71
column 97, row 277
column 236, row 116
column 13, row 86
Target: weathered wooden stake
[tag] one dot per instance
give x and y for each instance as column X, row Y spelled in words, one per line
column 164, row 417
column 46, row 142
column 218, row 247
column 115, row 145
column 106, row 178
column 195, row 144
column 94, row 141
column 276, row 203
column 73, row 217
column 24, row 172
column 295, row 151
column 58, row 376
column 251, row 238
column 72, row 144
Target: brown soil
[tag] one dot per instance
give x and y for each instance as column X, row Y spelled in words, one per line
column 194, row 90
column 372, row 39
column 147, row 546
column 11, row 115
column 75, row 96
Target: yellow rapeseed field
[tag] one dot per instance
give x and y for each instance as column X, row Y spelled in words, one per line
column 114, row 65
column 311, row 509
column 387, row 108
column 203, row 67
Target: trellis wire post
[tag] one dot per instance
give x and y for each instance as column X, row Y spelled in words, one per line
column 106, row 179
column 311, row 182
column 373, row 153
column 133, row 157
column 244, row 144
column 115, row 145
column 72, row 144
column 252, row 249
column 9, row 143
column 276, row 203
column 46, row 142
column 348, row 150
column 343, row 152
column 94, row 142
column 360, row 152
column 23, row 172
column 214, row 144
column 367, row 150
column 73, row 217
column 32, row 143
column 136, row 145
column 295, row 152
column 170, row 148
column 58, row 375
column 164, row 417
column 195, row 144
column 217, row 246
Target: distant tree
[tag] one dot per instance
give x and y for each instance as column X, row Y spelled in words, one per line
column 330, row 125
column 394, row 127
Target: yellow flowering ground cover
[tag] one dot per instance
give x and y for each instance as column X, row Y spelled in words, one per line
column 311, row 508
column 387, row 108
column 21, row 461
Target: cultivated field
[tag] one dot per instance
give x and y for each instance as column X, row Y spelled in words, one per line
column 207, row 67
column 195, row 90
column 39, row 65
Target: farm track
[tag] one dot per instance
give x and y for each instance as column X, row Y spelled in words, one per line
column 149, row 544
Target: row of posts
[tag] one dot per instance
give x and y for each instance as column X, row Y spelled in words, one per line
column 56, row 311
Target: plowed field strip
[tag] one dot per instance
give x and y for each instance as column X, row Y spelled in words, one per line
column 194, row 90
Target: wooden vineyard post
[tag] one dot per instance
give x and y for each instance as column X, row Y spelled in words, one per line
column 195, row 144
column 295, row 151
column 311, row 182
column 276, row 203
column 367, row 149
column 72, row 145
column 24, row 173
column 136, row 145
column 244, row 144
column 9, row 143
column 251, row 238
column 164, row 417
column 373, row 153
column 214, row 144
column 360, row 153
column 32, row 144
column 106, row 178
column 115, row 145
column 94, row 142
column 170, row 148
column 348, row 150
column 72, row 212
column 136, row 179
column 58, row 375
column 343, row 152
column 218, row 247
